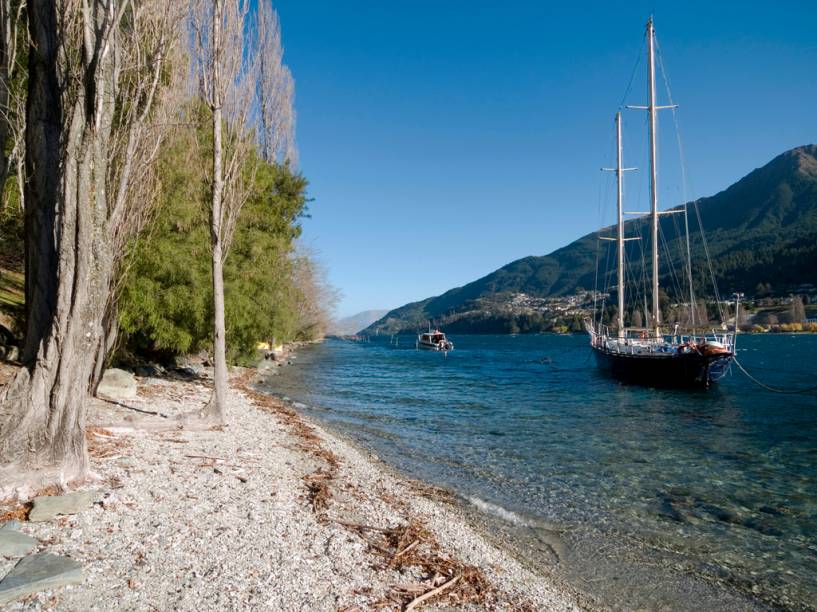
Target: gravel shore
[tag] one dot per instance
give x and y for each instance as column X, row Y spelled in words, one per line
column 269, row 512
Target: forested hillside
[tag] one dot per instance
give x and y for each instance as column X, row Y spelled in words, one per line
column 761, row 233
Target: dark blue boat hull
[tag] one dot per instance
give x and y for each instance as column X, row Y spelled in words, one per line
column 687, row 370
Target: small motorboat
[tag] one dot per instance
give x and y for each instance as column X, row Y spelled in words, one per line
column 434, row 341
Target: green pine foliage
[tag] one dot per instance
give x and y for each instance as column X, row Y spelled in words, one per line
column 165, row 303
column 261, row 292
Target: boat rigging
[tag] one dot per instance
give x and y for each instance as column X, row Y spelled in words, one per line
column 649, row 355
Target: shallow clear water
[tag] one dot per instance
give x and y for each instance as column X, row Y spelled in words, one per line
column 647, row 497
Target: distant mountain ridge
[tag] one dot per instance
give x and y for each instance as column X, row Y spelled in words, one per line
column 349, row 326
column 760, row 230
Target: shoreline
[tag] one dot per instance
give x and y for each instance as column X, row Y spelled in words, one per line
column 271, row 510
column 631, row 573
column 483, row 517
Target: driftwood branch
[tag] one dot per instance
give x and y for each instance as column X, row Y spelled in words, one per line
column 432, row 593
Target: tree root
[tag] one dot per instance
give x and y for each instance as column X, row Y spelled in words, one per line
column 22, row 483
column 206, row 417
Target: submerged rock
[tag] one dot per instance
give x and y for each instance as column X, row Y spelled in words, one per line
column 762, row 526
column 39, row 573
column 47, row 507
column 716, row 512
column 15, row 544
column 117, row 384
column 665, row 509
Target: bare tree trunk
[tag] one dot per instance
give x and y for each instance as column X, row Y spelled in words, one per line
column 221, row 388
column 68, row 264
column 6, row 32
column 110, row 333
column 74, row 230
column 227, row 73
column 237, row 58
column 12, row 100
column 215, row 408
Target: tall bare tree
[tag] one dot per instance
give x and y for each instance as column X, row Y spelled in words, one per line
column 315, row 296
column 237, row 59
column 276, row 91
column 95, row 76
column 12, row 96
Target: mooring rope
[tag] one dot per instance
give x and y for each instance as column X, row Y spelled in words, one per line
column 770, row 388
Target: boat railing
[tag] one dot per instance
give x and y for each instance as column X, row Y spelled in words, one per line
column 726, row 339
column 641, row 339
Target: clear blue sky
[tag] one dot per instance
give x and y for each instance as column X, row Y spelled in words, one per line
column 444, row 139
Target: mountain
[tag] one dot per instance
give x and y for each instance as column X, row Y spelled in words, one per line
column 349, row 326
column 761, row 233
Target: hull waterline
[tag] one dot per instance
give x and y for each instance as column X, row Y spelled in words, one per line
column 689, row 370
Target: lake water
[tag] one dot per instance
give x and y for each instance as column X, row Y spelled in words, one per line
column 641, row 498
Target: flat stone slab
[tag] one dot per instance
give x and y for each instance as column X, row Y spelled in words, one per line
column 49, row 506
column 12, row 524
column 15, row 544
column 39, row 573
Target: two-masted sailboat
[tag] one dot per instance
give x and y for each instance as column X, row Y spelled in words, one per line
column 648, row 355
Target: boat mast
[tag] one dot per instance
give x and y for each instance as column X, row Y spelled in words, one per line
column 620, row 237
column 651, row 108
column 656, row 308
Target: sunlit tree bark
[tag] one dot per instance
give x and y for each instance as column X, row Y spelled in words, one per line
column 12, row 98
column 95, row 75
column 237, row 60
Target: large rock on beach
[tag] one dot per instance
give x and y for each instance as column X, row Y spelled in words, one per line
column 39, row 573
column 117, row 385
column 49, row 506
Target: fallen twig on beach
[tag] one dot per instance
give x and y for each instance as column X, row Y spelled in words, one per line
column 103, row 444
column 318, row 485
column 412, row 546
column 205, row 457
column 418, row 600
column 415, row 587
column 134, row 408
column 364, row 527
column 405, row 550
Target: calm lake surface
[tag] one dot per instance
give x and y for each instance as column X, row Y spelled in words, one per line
column 639, row 497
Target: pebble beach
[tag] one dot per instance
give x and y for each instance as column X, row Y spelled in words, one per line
column 270, row 511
